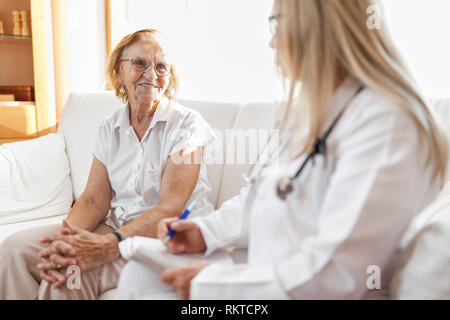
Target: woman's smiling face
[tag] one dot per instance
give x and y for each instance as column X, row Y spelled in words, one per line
column 149, row 85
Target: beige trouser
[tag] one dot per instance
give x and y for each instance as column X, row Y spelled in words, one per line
column 19, row 277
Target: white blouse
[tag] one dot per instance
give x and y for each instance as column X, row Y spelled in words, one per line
column 135, row 167
column 345, row 217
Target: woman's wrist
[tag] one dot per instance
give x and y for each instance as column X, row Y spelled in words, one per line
column 112, row 246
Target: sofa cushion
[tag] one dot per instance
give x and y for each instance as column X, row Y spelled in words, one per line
column 79, row 126
column 34, row 179
column 423, row 269
column 220, row 116
column 254, row 120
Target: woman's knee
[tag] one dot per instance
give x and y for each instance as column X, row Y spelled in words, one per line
column 13, row 245
column 127, row 280
column 25, row 243
column 137, row 279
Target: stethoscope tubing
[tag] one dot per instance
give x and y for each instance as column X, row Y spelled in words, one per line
column 285, row 184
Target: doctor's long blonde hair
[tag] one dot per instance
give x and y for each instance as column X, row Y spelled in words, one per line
column 318, row 40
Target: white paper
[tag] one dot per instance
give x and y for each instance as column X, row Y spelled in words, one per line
column 153, row 253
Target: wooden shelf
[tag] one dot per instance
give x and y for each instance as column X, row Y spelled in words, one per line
column 17, row 103
column 2, row 141
column 18, row 120
column 24, row 120
column 10, row 38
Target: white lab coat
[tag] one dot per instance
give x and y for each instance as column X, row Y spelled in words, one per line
column 347, row 212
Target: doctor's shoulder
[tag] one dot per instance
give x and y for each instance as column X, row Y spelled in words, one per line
column 372, row 110
column 409, row 131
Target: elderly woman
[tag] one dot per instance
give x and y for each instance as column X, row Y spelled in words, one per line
column 145, row 168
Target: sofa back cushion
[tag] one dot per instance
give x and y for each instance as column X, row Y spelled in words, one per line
column 253, row 128
column 84, row 111
column 34, row 180
column 425, row 261
column 221, row 117
column 423, row 269
column 79, row 125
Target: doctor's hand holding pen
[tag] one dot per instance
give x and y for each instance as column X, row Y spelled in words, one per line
column 181, row 236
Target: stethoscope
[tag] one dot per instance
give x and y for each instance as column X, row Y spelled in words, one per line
column 285, row 185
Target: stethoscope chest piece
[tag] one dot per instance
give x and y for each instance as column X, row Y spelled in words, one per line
column 284, row 187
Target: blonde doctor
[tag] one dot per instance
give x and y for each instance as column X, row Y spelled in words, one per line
column 360, row 155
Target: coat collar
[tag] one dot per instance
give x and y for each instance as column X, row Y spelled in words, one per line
column 342, row 98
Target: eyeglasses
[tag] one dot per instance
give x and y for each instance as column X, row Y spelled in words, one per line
column 273, row 23
column 141, row 64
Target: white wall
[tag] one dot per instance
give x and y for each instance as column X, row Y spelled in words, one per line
column 79, row 47
column 220, row 47
column 421, row 30
column 85, row 44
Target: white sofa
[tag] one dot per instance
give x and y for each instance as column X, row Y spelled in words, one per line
column 84, row 111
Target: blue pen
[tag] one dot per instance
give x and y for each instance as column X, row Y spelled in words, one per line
column 183, row 216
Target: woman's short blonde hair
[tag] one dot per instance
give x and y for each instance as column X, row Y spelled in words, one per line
column 112, row 68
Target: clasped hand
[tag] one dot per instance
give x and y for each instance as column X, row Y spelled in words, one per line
column 74, row 246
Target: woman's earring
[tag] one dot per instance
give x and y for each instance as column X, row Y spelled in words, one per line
column 284, row 187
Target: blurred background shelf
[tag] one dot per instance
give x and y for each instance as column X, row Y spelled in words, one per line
column 18, row 120
column 17, row 103
column 27, row 73
column 13, row 39
column 18, row 93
